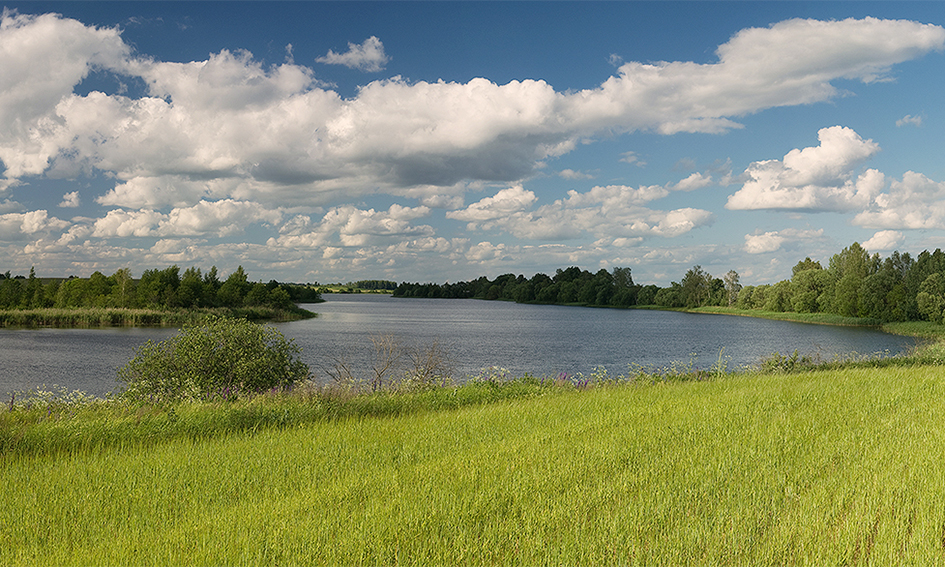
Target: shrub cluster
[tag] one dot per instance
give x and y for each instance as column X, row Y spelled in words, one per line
column 218, row 357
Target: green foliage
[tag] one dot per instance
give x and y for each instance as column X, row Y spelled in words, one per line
column 732, row 287
column 855, row 286
column 694, row 288
column 807, row 286
column 848, row 269
column 571, row 286
column 157, row 290
column 779, row 363
column 220, row 356
column 931, row 297
column 375, row 285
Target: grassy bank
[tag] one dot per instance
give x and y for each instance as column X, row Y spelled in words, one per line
column 120, row 317
column 814, row 318
column 923, row 329
column 824, row 467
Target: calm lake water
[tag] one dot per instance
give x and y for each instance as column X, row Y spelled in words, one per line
column 539, row 339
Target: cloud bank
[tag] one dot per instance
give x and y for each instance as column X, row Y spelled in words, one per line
column 215, row 147
column 230, row 126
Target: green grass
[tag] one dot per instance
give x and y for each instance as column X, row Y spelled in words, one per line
column 814, row 318
column 922, row 329
column 50, row 423
column 844, row 466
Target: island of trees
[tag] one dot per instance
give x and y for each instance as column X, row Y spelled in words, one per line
column 156, row 291
column 853, row 284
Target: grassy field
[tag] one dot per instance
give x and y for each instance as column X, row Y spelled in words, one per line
column 843, row 466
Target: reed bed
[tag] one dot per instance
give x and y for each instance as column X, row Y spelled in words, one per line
column 839, row 466
column 93, row 317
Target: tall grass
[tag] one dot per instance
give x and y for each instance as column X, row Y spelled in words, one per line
column 842, row 466
column 61, row 423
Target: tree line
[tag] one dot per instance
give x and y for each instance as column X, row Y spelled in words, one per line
column 853, row 284
column 374, row 285
column 155, row 289
column 568, row 286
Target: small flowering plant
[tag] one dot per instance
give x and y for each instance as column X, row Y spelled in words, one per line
column 493, row 374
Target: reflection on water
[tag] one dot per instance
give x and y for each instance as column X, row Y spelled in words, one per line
column 540, row 339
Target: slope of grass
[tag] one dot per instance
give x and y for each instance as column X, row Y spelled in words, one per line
column 840, row 466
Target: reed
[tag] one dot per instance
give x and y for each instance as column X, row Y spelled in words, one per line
column 93, row 317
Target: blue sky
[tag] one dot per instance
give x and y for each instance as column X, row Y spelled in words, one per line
column 441, row 141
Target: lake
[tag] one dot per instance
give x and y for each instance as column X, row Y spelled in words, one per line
column 539, row 339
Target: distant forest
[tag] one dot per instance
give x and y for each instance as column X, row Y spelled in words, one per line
column 155, row 289
column 853, row 284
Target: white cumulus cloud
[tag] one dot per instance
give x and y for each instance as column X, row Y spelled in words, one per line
column 914, row 202
column 610, row 211
column 819, row 178
column 772, row 241
column 368, row 56
column 500, row 206
column 18, row 226
column 884, row 240
column 70, row 200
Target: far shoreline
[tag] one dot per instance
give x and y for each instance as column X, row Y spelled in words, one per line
column 918, row 329
column 111, row 317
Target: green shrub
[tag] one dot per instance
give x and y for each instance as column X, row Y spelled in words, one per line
column 219, row 357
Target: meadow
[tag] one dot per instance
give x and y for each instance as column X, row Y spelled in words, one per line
column 838, row 465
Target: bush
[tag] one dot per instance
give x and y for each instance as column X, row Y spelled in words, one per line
column 218, row 357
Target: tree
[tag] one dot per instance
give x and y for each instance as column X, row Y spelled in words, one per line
column 695, row 287
column 158, row 288
column 808, row 285
column 192, row 291
column 568, row 275
column 804, row 265
column 234, row 289
column 258, row 295
column 778, row 297
column 622, row 278
column 647, row 295
column 97, row 291
column 882, row 294
column 848, row 269
column 759, row 296
column 669, row 296
column 732, row 287
column 931, row 298
column 123, row 288
column 34, row 296
column 744, row 297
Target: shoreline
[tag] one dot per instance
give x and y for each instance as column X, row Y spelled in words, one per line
column 108, row 317
column 918, row 329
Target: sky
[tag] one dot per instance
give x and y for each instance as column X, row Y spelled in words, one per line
column 443, row 141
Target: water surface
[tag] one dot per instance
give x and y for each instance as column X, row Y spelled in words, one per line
column 548, row 339
column 540, row 339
